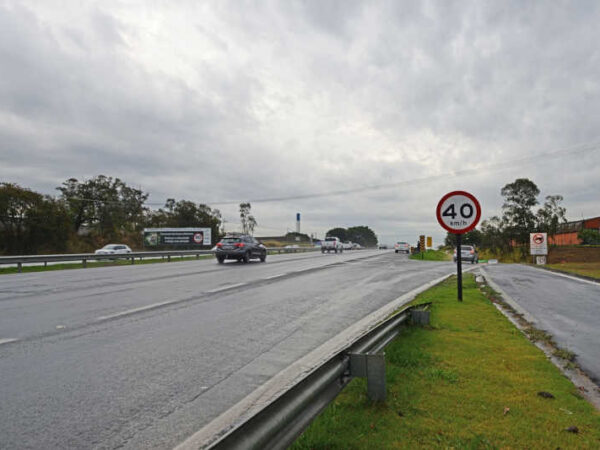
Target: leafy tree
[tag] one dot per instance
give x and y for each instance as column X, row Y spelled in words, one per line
column 31, row 222
column 519, row 197
column 362, row 235
column 183, row 214
column 493, row 235
column 589, row 237
column 551, row 215
column 472, row 237
column 338, row 232
column 247, row 219
column 104, row 204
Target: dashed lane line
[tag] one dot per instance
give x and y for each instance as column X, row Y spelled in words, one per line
column 135, row 310
column 276, row 276
column 7, row 341
column 225, row 288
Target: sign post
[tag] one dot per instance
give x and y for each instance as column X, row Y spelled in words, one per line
column 458, row 212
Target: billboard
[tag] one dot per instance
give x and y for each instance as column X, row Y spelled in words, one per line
column 154, row 237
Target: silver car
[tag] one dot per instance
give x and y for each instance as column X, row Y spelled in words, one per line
column 467, row 253
column 113, row 249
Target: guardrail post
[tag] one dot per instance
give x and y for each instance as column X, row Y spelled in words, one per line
column 20, row 267
column 419, row 316
column 372, row 366
column 168, row 258
column 84, row 263
column 133, row 260
column 376, row 376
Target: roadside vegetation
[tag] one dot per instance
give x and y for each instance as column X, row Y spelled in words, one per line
column 469, row 380
column 506, row 237
column 432, row 255
column 586, row 269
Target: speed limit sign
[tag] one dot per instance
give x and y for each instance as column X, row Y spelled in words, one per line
column 458, row 212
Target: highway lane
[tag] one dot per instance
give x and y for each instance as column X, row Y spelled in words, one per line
column 568, row 308
column 152, row 377
column 39, row 304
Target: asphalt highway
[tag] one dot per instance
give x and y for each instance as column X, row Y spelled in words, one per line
column 143, row 356
column 566, row 307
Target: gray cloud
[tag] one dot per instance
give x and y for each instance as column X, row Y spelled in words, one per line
column 216, row 101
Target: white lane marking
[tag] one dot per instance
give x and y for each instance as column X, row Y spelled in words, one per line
column 225, row 288
column 135, row 310
column 6, row 341
column 276, row 276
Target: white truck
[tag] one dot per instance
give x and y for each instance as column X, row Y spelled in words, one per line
column 332, row 243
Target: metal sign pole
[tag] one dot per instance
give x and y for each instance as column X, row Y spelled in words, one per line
column 459, row 266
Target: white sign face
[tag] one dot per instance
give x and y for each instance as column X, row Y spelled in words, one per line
column 540, row 260
column 458, row 212
column 538, row 244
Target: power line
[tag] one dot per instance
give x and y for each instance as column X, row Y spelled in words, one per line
column 524, row 161
column 502, row 165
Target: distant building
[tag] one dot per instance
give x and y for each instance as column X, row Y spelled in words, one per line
column 567, row 232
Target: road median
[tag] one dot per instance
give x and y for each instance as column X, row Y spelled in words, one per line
column 469, row 380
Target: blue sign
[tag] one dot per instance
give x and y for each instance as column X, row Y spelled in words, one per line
column 297, row 217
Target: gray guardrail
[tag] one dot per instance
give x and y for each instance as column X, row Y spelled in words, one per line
column 278, row 424
column 20, row 260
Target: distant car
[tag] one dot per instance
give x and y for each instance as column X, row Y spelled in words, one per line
column 241, row 247
column 467, row 253
column 113, row 249
column 347, row 245
column 402, row 247
column 332, row 243
column 382, row 247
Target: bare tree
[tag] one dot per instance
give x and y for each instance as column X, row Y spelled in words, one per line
column 247, row 219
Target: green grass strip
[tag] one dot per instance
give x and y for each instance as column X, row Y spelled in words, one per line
column 432, row 255
column 470, row 380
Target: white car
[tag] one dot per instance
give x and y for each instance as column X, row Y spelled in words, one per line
column 113, row 249
column 402, row 247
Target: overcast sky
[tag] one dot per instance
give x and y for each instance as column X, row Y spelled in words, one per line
column 229, row 101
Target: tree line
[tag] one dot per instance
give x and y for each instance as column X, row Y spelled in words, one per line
column 500, row 234
column 90, row 213
column 362, row 235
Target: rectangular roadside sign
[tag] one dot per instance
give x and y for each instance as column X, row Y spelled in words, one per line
column 538, row 244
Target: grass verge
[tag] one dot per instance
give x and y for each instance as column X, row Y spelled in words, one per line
column 92, row 264
column 586, row 269
column 469, row 380
column 432, row 255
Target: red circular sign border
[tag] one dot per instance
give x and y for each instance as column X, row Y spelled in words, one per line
column 466, row 194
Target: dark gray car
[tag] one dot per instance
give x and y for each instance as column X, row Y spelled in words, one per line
column 241, row 247
column 467, row 253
